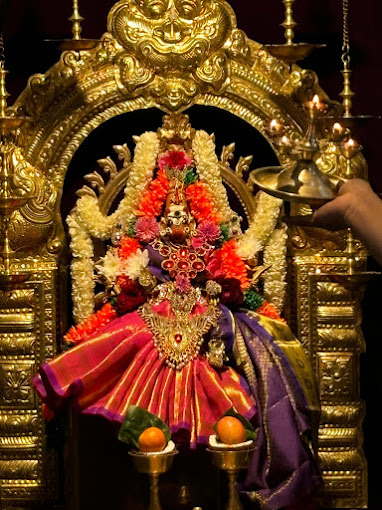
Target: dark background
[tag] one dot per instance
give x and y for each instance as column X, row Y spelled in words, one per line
column 29, row 22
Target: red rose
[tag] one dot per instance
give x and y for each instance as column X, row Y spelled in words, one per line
column 231, row 291
column 126, row 284
column 130, row 299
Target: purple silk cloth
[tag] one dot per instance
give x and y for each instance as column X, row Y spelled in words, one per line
column 283, row 470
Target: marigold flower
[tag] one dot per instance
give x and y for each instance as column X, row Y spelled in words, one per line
column 201, row 204
column 270, row 311
column 128, row 247
column 155, row 197
column 77, row 334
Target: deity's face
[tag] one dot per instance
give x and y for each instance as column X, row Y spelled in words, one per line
column 177, row 224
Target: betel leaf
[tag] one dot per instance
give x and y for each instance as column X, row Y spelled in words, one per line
column 250, row 431
column 136, row 421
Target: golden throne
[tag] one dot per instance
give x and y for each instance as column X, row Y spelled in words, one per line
column 171, row 56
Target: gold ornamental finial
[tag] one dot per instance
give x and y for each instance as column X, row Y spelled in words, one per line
column 76, row 43
column 3, row 73
column 347, row 94
column 290, row 52
column 289, row 23
column 3, row 91
column 76, row 20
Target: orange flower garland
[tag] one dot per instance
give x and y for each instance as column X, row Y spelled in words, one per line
column 129, row 246
column 270, row 311
column 77, row 334
column 201, row 204
column 233, row 265
column 154, row 198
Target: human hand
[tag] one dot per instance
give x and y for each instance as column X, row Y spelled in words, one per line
column 357, row 207
column 355, row 198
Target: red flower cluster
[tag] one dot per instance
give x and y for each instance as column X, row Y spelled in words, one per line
column 129, row 246
column 77, row 334
column 201, row 204
column 154, row 198
column 130, row 298
column 227, row 264
column 270, row 311
column 174, row 159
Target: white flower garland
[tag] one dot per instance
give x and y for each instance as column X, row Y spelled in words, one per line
column 87, row 220
column 275, row 277
column 142, row 168
column 262, row 225
column 207, row 165
column 82, row 270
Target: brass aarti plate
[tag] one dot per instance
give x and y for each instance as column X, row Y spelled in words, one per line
column 74, row 44
column 292, row 53
column 266, row 179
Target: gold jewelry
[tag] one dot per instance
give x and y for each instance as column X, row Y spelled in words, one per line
column 180, row 338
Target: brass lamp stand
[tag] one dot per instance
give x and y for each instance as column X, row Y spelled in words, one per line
column 12, row 197
column 153, row 465
column 232, row 461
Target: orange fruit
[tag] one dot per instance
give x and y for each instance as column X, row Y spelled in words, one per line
column 230, row 430
column 152, row 440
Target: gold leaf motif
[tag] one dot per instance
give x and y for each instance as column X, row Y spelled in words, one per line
column 18, row 469
column 16, row 384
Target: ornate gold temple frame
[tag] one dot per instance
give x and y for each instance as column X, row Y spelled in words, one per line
column 140, row 63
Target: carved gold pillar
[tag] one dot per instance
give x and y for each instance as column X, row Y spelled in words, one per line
column 29, row 324
column 328, row 321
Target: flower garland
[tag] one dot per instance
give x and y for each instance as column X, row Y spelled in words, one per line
column 275, row 277
column 87, row 220
column 269, row 310
column 77, row 334
column 207, row 165
column 201, row 204
column 262, row 225
column 226, row 264
column 154, row 198
column 82, row 269
column 128, row 247
column 142, row 168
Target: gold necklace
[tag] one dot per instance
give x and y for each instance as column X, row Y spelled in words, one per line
column 182, row 259
column 178, row 339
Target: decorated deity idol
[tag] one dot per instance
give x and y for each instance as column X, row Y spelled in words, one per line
column 184, row 330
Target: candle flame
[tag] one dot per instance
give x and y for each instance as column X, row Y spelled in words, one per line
column 337, row 128
column 351, row 143
column 316, row 101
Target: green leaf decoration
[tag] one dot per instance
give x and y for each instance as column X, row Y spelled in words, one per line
column 131, row 227
column 191, row 177
column 225, row 232
column 136, row 421
column 252, row 299
column 251, row 433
